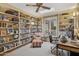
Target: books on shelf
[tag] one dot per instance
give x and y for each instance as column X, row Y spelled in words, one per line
column 1, row 40
column 3, row 32
column 24, row 31
column 23, row 36
column 11, row 26
column 3, row 25
column 12, row 12
column 15, row 19
column 10, row 31
column 3, row 17
column 24, row 28
column 1, row 49
column 7, row 39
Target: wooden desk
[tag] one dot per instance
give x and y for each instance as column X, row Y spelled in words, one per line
column 68, row 46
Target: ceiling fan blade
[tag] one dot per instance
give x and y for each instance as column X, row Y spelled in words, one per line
column 39, row 4
column 45, row 7
column 30, row 5
column 37, row 9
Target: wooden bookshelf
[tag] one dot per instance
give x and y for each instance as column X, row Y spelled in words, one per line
column 65, row 19
column 37, row 26
column 14, row 28
column 24, row 28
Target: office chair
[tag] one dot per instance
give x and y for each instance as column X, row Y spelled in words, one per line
column 54, row 41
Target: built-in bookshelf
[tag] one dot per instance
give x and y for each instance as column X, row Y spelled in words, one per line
column 14, row 29
column 9, row 29
column 65, row 19
column 36, row 25
column 24, row 29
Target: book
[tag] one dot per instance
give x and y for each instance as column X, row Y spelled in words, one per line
column 3, row 33
column 1, row 40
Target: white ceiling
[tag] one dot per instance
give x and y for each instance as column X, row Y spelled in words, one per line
column 53, row 6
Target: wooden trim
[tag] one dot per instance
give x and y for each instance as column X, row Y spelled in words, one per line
column 68, row 47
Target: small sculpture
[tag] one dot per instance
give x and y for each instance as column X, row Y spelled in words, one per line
column 63, row 39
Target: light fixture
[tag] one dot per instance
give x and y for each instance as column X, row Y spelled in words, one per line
column 75, row 13
column 32, row 23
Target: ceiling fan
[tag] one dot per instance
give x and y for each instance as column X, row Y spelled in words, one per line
column 38, row 5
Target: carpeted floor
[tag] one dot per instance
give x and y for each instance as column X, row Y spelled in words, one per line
column 28, row 51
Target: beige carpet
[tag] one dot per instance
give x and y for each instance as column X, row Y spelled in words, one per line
column 28, row 51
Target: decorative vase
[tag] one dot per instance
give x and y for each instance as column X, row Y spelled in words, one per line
column 63, row 39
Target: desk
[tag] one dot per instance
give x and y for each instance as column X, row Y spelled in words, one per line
column 68, row 46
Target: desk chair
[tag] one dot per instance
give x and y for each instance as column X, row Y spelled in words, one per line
column 54, row 41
